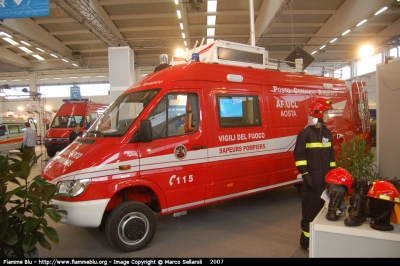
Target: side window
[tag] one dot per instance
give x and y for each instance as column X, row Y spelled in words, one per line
column 238, row 111
column 3, row 130
column 13, row 129
column 21, row 128
column 176, row 114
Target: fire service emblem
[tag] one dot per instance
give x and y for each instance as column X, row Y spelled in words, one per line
column 180, row 152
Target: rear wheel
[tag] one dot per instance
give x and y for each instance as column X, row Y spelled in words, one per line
column 131, row 226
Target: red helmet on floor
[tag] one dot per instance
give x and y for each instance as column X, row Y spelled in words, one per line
column 340, row 176
column 318, row 106
column 384, row 190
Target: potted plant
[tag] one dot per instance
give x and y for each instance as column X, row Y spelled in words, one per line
column 357, row 159
column 24, row 205
column 360, row 162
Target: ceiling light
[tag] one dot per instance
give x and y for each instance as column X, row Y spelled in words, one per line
column 181, row 24
column 26, row 50
column 210, row 31
column 365, row 51
column 347, row 31
column 100, row 76
column 183, row 35
column 211, row 6
column 26, row 43
column 16, row 80
column 179, row 52
column 44, row 78
column 381, row 10
column 9, row 40
column 176, row 2
column 86, row 77
column 322, row 47
column 56, row 78
column 38, row 56
column 179, row 13
column 73, row 77
column 65, row 60
column 313, row 52
column 361, row 22
column 74, row 64
column 40, row 49
column 53, row 55
column 210, row 40
column 5, row 34
column 333, row 40
column 184, row 42
column 211, row 20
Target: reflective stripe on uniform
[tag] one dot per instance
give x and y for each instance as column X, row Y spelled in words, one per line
column 318, row 145
column 332, row 164
column 306, row 234
column 299, row 163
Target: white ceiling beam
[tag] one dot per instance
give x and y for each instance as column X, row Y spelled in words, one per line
column 308, row 12
column 349, row 13
column 95, row 5
column 11, row 58
column 69, row 32
column 130, row 2
column 172, row 15
column 288, row 25
column 54, row 20
column 266, row 15
column 28, row 29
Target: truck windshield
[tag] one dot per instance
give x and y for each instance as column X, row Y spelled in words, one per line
column 120, row 115
column 66, row 121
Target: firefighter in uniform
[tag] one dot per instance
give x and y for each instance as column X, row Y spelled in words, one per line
column 314, row 157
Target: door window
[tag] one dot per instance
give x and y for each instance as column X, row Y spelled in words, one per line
column 176, row 114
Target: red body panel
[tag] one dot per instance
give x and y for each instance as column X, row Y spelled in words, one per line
column 232, row 162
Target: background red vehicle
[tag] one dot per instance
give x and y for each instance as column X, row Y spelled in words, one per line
column 72, row 112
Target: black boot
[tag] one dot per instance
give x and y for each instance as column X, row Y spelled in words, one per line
column 357, row 213
column 336, row 197
column 380, row 215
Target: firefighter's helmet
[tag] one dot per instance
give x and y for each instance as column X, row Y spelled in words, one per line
column 318, row 106
column 340, row 176
column 384, row 190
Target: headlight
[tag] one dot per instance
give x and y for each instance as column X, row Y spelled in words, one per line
column 72, row 188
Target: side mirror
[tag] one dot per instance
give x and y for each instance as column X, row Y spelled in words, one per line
column 145, row 131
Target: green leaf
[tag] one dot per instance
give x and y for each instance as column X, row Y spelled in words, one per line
column 10, row 237
column 50, row 189
column 43, row 221
column 44, row 243
column 37, row 211
column 21, row 216
column 40, row 180
column 35, row 199
column 29, row 243
column 62, row 212
column 30, row 225
column 9, row 194
column 3, row 227
column 54, row 215
column 51, row 234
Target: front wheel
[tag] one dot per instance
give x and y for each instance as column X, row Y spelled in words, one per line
column 131, row 226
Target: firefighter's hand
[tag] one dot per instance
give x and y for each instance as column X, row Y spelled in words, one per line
column 308, row 181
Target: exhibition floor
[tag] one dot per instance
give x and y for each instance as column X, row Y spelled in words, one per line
column 265, row 225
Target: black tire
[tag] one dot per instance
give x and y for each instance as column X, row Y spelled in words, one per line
column 131, row 226
column 51, row 153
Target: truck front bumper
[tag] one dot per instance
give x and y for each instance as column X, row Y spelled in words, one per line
column 82, row 213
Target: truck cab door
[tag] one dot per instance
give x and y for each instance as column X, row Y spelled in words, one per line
column 176, row 157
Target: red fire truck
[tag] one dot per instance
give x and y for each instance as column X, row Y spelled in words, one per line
column 193, row 134
column 72, row 112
